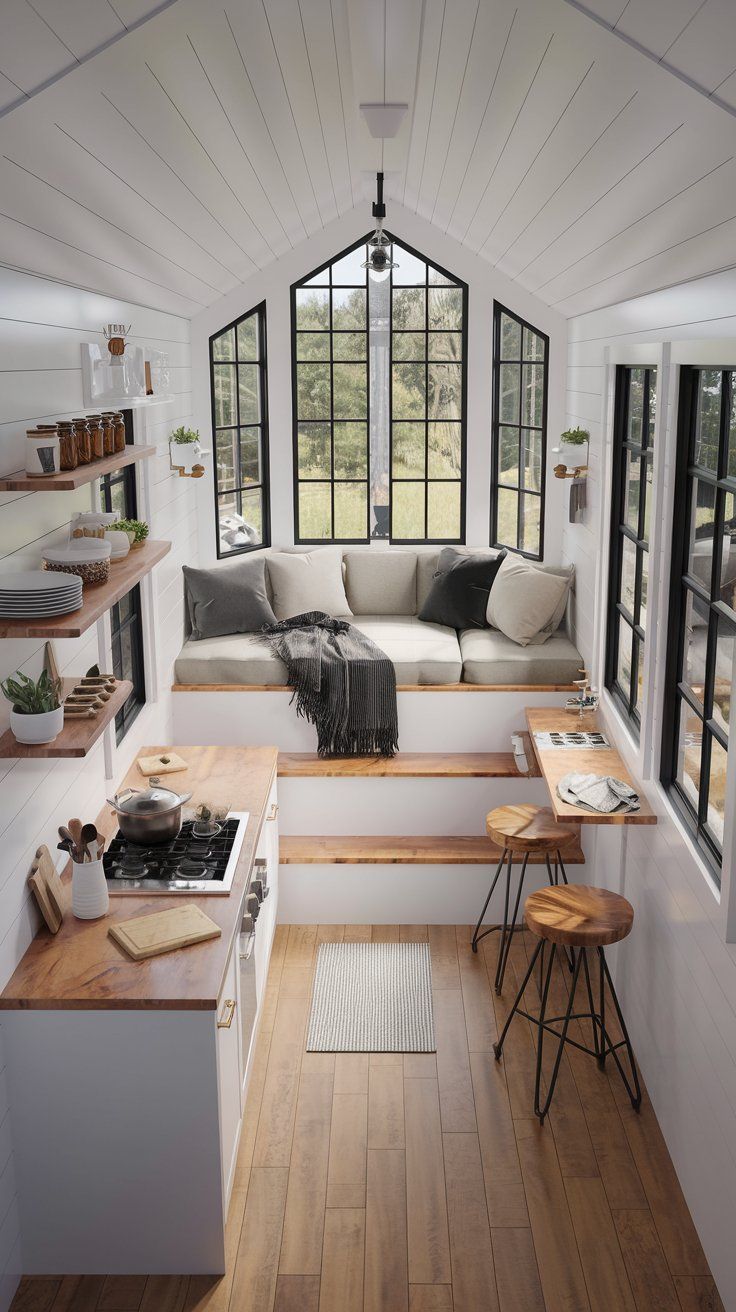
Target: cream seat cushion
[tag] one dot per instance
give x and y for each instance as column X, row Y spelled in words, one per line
column 421, row 653
column 491, row 657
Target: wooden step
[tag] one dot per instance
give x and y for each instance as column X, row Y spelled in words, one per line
column 403, row 849
column 405, row 765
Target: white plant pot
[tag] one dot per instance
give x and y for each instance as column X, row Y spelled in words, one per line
column 184, row 455
column 119, row 541
column 37, row 729
column 90, row 898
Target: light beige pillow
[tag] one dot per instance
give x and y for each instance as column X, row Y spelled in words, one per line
column 309, row 580
column 525, row 600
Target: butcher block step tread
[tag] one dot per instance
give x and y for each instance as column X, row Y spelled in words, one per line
column 403, row 849
column 409, row 765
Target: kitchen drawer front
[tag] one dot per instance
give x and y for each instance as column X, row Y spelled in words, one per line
column 228, row 1071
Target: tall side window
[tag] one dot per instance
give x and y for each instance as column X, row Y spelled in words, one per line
column 118, row 494
column 520, row 369
column 702, row 621
column 633, row 443
column 240, row 427
column 379, row 401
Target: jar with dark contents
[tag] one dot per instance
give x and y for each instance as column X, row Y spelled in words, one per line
column 108, row 434
column 119, row 432
column 84, row 441
column 98, row 441
column 68, row 458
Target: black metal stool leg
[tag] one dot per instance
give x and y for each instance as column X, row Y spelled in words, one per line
column 476, row 936
column 541, row 1113
column 505, row 926
column 594, row 1024
column 602, row 1009
column 540, row 1026
column 635, row 1094
column 560, row 862
column 498, row 1046
column 510, row 927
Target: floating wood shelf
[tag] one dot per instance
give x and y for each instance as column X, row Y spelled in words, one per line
column 124, row 574
column 70, row 479
column 405, row 765
column 556, row 762
column 402, row 849
column 77, row 737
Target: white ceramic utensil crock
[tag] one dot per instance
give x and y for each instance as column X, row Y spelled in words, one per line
column 90, row 898
column 42, row 454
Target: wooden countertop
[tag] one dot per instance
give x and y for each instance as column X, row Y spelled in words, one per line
column 555, row 762
column 82, row 968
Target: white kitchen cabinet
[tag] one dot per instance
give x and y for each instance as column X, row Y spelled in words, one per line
column 229, row 1065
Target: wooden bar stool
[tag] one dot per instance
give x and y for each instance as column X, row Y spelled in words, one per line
column 520, row 829
column 589, row 919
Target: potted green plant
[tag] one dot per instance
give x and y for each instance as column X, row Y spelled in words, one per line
column 37, row 714
column 137, row 530
column 185, row 448
column 575, row 437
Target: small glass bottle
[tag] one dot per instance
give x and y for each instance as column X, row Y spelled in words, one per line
column 119, row 431
column 84, row 441
column 108, row 434
column 68, row 458
column 98, row 443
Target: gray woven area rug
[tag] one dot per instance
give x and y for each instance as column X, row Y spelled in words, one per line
column 372, row 997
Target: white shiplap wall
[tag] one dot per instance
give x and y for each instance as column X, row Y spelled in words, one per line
column 41, row 326
column 676, row 974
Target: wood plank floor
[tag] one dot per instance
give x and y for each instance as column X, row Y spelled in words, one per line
column 390, row 1183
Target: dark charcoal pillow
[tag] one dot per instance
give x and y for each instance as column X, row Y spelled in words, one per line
column 229, row 598
column 459, row 593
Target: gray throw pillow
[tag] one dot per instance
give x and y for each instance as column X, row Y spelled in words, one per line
column 229, row 598
column 525, row 600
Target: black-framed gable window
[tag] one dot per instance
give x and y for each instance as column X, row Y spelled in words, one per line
column 520, row 375
column 379, row 400
column 633, row 455
column 118, row 493
column 239, row 389
column 702, row 618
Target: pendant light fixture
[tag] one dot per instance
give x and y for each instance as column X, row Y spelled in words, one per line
column 379, row 263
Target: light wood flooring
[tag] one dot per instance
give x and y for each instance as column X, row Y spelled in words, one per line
column 389, row 1183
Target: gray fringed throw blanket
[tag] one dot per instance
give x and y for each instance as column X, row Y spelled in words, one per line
column 343, row 684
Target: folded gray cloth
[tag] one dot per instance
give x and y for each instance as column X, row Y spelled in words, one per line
column 597, row 792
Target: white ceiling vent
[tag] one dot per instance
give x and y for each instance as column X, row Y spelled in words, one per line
column 384, row 121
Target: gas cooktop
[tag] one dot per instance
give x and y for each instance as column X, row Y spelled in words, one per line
column 186, row 864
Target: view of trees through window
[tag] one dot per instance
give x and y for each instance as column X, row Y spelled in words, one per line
column 379, row 401
column 703, row 603
column 520, row 363
column 240, row 421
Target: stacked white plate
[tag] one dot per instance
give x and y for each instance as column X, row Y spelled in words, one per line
column 36, row 594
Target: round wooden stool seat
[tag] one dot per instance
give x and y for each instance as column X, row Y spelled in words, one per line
column 527, row 829
column 578, row 916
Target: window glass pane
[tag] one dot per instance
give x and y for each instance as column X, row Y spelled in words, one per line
column 443, row 510
column 436, row 278
column 409, row 346
column 695, row 646
column 509, row 393
column 315, row 510
column 313, row 391
column 532, row 469
column 349, row 309
column 349, row 346
column 508, row 455
column 351, row 453
column 225, row 403
column 313, row 346
column 639, row 685
column 652, row 405
column 648, row 475
column 623, row 665
column 644, row 567
column 702, row 528
column 223, row 347
column 507, row 517
column 445, row 346
column 510, row 338
column 226, row 449
column 444, row 391
column 408, row 394
column 350, row 391
column 636, row 406
column 313, row 445
column 445, row 307
column 407, row 511
column 532, row 395
column 708, row 419
column 347, row 272
column 717, row 789
column 251, row 508
column 731, row 468
column 533, row 345
column 412, row 272
column 408, row 307
column 632, row 489
column 250, row 455
column 723, row 675
column 408, row 457
column 351, row 502
column 529, row 528
column 320, row 279
column 445, row 451
column 250, row 404
column 248, row 338
column 312, row 308
column 628, row 574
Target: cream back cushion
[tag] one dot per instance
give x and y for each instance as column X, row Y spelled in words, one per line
column 381, row 582
column 527, row 602
column 309, row 580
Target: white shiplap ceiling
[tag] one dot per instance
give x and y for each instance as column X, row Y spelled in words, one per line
column 163, row 152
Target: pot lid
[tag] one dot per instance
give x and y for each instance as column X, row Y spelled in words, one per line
column 148, row 801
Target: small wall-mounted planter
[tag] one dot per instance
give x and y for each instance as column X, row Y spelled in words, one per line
column 185, row 458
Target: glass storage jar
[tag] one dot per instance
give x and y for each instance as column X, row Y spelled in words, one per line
column 84, row 441
column 68, row 458
column 98, row 444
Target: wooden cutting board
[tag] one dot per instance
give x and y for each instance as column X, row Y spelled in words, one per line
column 164, row 931
column 169, row 763
column 47, row 889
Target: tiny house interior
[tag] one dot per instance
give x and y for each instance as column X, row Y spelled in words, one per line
column 367, row 614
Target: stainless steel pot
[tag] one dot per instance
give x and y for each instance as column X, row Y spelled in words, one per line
column 149, row 815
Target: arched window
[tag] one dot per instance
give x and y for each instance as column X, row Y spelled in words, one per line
column 240, row 428
column 379, row 398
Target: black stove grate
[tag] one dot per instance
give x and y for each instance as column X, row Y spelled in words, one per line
column 185, row 857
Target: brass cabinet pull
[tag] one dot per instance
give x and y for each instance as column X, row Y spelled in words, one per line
column 273, row 812
column 230, row 1005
